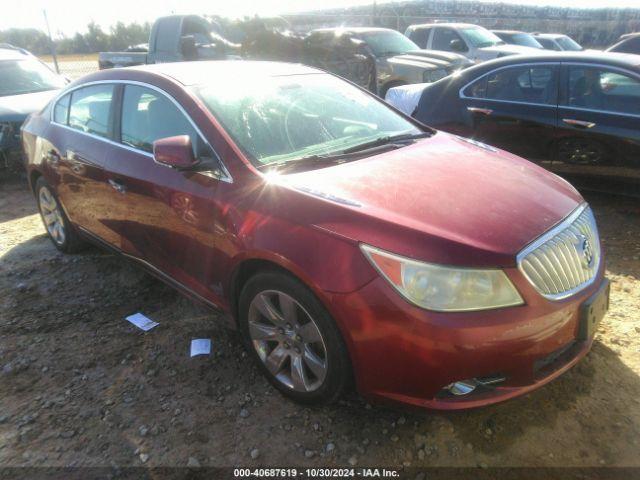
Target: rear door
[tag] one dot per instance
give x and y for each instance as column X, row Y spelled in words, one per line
column 515, row 108
column 81, row 129
column 599, row 124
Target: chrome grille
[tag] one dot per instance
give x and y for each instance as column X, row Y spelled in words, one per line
column 565, row 259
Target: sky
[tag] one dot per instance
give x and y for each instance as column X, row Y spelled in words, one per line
column 70, row 16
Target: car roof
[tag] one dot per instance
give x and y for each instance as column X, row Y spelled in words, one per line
column 8, row 52
column 508, row 32
column 352, row 29
column 205, row 72
column 552, row 36
column 614, row 59
column 629, row 35
column 449, row 24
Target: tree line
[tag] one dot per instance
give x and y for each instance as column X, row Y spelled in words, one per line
column 95, row 39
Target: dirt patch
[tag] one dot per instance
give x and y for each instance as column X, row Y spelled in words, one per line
column 80, row 386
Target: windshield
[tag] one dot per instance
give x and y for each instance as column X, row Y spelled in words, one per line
column 387, row 42
column 569, row 44
column 26, row 76
column 290, row 117
column 525, row 40
column 481, row 37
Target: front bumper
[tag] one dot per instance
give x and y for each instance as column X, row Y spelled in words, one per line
column 402, row 353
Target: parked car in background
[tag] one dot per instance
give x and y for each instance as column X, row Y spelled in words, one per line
column 515, row 37
column 629, row 43
column 26, row 86
column 475, row 42
column 577, row 114
column 345, row 239
column 175, row 38
column 557, row 42
column 399, row 61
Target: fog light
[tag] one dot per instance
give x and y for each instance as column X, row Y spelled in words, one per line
column 463, row 387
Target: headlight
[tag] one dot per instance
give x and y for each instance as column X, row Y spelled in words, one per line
column 430, row 76
column 444, row 289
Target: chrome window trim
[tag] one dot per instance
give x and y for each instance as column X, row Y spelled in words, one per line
column 545, row 237
column 226, row 176
column 514, row 102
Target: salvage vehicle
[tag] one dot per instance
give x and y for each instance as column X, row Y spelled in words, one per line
column 398, row 60
column 515, row 37
column 577, row 114
column 473, row 41
column 629, row 43
column 26, row 85
column 557, row 42
column 342, row 238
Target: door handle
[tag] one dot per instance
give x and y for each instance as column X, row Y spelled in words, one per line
column 482, row 111
column 117, row 186
column 578, row 123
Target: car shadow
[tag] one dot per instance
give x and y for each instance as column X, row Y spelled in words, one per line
column 16, row 199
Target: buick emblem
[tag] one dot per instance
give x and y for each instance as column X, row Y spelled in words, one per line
column 587, row 251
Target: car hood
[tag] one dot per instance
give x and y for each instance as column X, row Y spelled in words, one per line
column 442, row 199
column 15, row 108
column 432, row 57
column 487, row 53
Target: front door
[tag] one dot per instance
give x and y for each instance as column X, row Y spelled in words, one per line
column 599, row 126
column 515, row 108
column 165, row 217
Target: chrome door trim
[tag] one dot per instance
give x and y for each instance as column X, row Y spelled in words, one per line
column 226, row 176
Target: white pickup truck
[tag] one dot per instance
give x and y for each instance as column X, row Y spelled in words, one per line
column 473, row 41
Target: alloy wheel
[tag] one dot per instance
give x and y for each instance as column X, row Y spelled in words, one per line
column 52, row 216
column 287, row 340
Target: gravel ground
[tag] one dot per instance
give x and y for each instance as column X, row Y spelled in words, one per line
column 80, row 386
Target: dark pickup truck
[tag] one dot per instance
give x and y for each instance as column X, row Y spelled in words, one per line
column 176, row 38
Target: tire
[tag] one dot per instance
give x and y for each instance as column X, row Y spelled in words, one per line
column 293, row 339
column 61, row 233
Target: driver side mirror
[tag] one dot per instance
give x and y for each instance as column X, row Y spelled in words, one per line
column 175, row 152
column 457, row 45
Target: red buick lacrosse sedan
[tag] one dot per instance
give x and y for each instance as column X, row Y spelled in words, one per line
column 345, row 240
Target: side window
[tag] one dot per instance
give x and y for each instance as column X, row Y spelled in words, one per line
column 91, row 108
column 61, row 110
column 524, row 84
column 630, row 46
column 443, row 37
column 420, row 36
column 602, row 89
column 547, row 43
column 147, row 116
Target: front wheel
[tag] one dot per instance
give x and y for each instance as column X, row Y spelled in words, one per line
column 58, row 227
column 293, row 338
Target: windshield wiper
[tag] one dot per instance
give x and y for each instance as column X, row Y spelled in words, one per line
column 389, row 139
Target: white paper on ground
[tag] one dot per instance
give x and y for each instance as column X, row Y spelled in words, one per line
column 200, row 346
column 142, row 322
